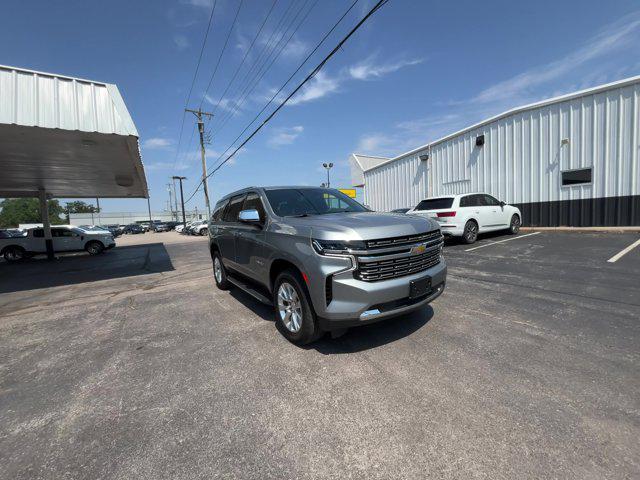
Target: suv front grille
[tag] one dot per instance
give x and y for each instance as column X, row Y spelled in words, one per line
column 397, row 267
column 406, row 240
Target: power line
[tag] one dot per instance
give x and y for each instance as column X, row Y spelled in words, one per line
column 193, row 81
column 243, row 83
column 373, row 10
column 257, row 78
column 275, row 95
column 224, row 47
column 246, row 54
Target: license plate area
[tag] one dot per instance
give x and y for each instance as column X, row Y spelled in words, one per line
column 419, row 288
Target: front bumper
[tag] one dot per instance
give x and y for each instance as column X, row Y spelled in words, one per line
column 358, row 302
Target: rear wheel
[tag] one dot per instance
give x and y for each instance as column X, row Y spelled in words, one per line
column 219, row 273
column 94, row 247
column 14, row 254
column 295, row 317
column 203, row 232
column 470, row 233
column 514, row 226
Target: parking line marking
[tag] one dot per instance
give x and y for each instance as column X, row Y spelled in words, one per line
column 502, row 241
column 623, row 252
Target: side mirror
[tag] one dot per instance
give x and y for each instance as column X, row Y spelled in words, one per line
column 249, row 216
column 502, row 204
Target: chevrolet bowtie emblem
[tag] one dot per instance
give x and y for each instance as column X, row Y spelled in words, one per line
column 417, row 249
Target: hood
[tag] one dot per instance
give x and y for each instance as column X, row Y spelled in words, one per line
column 362, row 225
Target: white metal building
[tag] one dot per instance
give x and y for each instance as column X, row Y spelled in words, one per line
column 570, row 160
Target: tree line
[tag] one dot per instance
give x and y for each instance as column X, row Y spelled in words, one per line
column 14, row 211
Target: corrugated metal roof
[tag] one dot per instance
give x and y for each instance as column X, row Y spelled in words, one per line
column 30, row 98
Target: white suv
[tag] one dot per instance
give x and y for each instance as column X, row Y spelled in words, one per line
column 470, row 214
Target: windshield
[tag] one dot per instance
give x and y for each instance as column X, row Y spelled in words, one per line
column 435, row 204
column 289, row 202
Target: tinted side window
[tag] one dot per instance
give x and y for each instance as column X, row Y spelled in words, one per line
column 232, row 211
column 468, row 201
column 39, row 233
column 490, row 201
column 253, row 201
column 61, row 232
column 217, row 213
column 435, row 204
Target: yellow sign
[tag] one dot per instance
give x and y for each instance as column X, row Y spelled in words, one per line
column 349, row 192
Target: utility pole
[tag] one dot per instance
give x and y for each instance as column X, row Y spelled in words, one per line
column 175, row 197
column 199, row 114
column 184, row 219
column 98, row 210
column 170, row 200
column 149, row 207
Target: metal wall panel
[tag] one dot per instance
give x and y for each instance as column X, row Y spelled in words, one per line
column 524, row 154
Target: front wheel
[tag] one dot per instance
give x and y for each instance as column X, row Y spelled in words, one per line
column 219, row 273
column 203, row 232
column 514, row 226
column 14, row 254
column 470, row 234
column 94, row 247
column 295, row 317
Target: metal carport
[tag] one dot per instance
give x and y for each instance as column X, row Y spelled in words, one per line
column 65, row 137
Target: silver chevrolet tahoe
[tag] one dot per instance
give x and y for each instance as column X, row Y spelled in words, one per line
column 324, row 261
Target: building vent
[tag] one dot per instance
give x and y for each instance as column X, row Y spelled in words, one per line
column 479, row 140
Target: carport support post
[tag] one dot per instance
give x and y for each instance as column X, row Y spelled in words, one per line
column 44, row 214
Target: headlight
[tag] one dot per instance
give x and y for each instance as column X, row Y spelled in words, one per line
column 324, row 247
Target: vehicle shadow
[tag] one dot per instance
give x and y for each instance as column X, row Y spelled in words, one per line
column 70, row 269
column 265, row 312
column 498, row 235
column 375, row 335
column 356, row 339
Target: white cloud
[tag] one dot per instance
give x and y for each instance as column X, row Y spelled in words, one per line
column 181, row 41
column 156, row 143
column 324, row 84
column 319, row 86
column 198, row 3
column 615, row 36
column 368, row 70
column 296, row 48
column 225, row 104
column 285, row 136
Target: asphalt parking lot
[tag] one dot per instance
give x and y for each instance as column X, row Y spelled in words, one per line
column 132, row 365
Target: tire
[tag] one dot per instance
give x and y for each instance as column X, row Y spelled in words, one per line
column 14, row 254
column 470, row 233
column 514, row 225
column 203, row 232
column 220, row 275
column 94, row 247
column 295, row 317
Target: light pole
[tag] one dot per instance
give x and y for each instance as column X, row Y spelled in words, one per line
column 184, row 219
column 328, row 166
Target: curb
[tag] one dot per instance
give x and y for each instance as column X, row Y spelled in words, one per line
column 582, row 229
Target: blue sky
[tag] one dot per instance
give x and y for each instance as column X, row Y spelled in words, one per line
column 418, row 70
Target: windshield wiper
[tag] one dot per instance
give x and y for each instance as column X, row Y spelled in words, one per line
column 300, row 215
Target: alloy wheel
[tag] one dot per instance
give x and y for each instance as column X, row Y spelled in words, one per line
column 515, row 224
column 217, row 269
column 471, row 232
column 289, row 307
